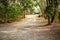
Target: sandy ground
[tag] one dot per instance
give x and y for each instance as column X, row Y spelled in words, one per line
column 30, row 28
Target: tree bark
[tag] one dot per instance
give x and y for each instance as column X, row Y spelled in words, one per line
column 53, row 17
column 59, row 18
column 49, row 21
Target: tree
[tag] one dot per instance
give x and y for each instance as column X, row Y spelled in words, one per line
column 3, row 9
column 27, row 4
column 59, row 10
column 51, row 9
column 9, row 10
column 12, row 9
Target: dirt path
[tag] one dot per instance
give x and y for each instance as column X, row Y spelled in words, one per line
column 30, row 28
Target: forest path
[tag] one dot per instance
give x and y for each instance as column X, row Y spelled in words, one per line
column 30, row 28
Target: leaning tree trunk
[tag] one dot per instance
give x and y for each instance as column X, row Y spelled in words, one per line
column 53, row 17
column 49, row 21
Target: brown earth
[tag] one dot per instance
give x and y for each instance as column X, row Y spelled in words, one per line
column 30, row 28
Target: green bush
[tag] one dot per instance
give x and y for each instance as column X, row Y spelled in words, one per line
column 12, row 12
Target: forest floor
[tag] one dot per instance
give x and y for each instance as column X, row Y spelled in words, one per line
column 30, row 28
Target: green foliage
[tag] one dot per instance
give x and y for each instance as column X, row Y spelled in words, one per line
column 27, row 4
column 10, row 12
column 51, row 8
column 12, row 9
column 58, row 11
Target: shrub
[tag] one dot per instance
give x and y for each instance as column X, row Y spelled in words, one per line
column 10, row 13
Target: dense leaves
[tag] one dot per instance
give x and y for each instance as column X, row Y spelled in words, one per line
column 12, row 9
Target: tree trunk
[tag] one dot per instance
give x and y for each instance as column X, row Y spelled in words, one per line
column 53, row 17
column 49, row 20
column 59, row 18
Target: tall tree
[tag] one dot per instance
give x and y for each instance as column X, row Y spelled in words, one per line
column 51, row 9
